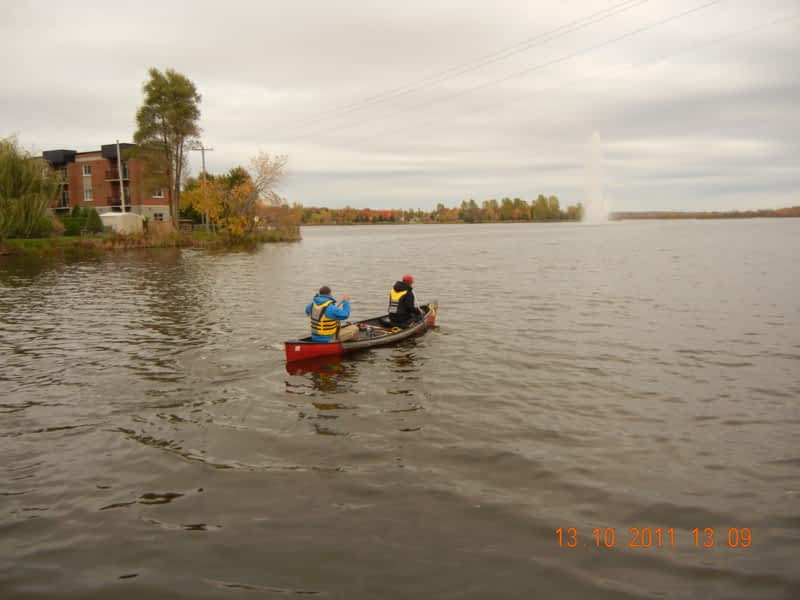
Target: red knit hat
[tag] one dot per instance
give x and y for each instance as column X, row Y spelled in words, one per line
column 408, row 279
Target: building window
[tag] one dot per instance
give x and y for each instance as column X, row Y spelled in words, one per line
column 88, row 195
column 159, row 193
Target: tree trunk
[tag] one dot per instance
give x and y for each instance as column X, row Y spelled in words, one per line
column 173, row 203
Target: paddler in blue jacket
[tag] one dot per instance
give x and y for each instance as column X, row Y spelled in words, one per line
column 326, row 317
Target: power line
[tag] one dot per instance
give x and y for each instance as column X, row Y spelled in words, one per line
column 534, row 68
column 719, row 39
column 458, row 70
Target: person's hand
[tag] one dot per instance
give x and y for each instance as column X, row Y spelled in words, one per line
column 346, row 297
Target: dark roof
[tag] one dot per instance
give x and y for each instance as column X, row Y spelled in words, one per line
column 110, row 150
column 59, row 158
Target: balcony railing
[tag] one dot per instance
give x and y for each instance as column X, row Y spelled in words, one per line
column 62, row 202
column 116, row 205
column 113, row 174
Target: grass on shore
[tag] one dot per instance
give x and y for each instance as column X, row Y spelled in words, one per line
column 105, row 242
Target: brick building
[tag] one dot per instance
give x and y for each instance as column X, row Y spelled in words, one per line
column 92, row 179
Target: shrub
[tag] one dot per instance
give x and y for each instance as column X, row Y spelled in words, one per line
column 72, row 225
column 93, row 222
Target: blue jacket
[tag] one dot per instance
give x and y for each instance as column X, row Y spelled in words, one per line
column 339, row 313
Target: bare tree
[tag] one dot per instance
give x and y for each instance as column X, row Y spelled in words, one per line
column 267, row 171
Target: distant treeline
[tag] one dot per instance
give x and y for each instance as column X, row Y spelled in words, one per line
column 794, row 211
column 489, row 211
column 506, row 210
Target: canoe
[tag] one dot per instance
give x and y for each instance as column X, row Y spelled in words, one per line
column 377, row 331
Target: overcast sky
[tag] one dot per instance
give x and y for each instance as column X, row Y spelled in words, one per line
column 408, row 104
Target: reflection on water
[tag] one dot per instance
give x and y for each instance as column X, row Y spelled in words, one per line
column 325, row 375
column 404, row 368
column 321, row 364
column 22, row 271
column 340, row 374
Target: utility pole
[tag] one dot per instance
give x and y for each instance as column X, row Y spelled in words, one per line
column 121, row 180
column 198, row 145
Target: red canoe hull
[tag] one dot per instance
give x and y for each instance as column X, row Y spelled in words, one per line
column 303, row 350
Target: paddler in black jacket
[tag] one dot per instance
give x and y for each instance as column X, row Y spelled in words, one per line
column 403, row 307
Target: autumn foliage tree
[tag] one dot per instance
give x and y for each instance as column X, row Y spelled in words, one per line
column 489, row 211
column 223, row 198
column 241, row 201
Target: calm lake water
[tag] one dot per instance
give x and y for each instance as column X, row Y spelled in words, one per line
column 637, row 375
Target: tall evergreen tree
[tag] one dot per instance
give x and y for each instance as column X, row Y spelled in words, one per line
column 166, row 121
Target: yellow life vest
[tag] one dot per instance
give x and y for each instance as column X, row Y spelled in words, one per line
column 320, row 324
column 394, row 300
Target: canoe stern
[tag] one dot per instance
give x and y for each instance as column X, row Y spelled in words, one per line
column 430, row 318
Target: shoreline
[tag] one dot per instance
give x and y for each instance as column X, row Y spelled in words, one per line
column 611, row 218
column 111, row 242
column 773, row 213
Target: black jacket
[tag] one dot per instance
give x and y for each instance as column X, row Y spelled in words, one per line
column 407, row 307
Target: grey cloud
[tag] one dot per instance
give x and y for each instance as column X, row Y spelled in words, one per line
column 679, row 118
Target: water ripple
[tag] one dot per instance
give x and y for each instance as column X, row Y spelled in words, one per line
column 586, row 377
